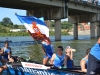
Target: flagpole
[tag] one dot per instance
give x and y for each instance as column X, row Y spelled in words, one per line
column 36, row 42
column 39, row 45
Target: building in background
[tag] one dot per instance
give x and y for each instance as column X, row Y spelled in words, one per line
column 18, row 30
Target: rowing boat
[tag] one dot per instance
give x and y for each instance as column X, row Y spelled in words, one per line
column 38, row 69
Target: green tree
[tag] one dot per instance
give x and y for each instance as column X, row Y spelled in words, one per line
column 6, row 21
column 52, row 24
column 66, row 25
column 15, row 26
column 21, row 26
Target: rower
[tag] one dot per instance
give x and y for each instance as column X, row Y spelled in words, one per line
column 69, row 57
column 58, row 59
column 84, row 61
column 6, row 52
column 47, row 49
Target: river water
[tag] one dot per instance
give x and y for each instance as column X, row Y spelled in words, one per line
column 25, row 47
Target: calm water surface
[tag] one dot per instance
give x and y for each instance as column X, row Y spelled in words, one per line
column 25, row 47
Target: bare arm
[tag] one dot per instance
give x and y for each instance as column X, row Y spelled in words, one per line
column 1, row 51
column 52, row 59
column 82, row 64
column 71, row 56
column 10, row 51
column 9, row 55
column 98, row 40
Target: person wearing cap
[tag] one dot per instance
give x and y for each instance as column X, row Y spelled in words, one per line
column 84, row 61
column 47, row 49
column 58, row 58
column 69, row 57
column 93, row 67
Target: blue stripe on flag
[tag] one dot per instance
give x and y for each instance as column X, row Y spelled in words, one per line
column 30, row 19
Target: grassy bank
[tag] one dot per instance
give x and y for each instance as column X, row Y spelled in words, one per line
column 14, row 34
column 52, row 33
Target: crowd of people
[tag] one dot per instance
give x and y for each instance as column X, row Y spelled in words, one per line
column 94, row 2
column 89, row 64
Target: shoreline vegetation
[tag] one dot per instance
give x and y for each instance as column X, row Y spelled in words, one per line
column 51, row 33
column 6, row 25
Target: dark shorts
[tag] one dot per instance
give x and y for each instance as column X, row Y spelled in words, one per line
column 49, row 55
column 93, row 67
column 0, row 57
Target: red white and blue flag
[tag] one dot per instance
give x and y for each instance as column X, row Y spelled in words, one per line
column 35, row 26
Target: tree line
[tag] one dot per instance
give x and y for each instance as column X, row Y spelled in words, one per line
column 64, row 25
column 6, row 24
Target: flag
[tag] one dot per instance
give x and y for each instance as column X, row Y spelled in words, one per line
column 35, row 26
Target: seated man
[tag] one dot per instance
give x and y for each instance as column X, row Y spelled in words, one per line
column 84, row 61
column 5, row 52
column 57, row 59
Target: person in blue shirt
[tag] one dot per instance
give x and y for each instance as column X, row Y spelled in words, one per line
column 58, row 59
column 47, row 49
column 69, row 57
column 6, row 51
column 93, row 67
column 84, row 61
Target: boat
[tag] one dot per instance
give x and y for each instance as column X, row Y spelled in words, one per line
column 33, row 68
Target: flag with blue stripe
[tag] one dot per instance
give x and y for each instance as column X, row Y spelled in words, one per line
column 36, row 26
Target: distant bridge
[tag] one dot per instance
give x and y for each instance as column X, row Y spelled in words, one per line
column 75, row 11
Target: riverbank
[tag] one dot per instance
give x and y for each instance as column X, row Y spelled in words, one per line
column 14, row 34
column 51, row 33
column 84, row 32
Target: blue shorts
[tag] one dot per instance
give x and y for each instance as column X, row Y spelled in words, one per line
column 49, row 55
column 0, row 57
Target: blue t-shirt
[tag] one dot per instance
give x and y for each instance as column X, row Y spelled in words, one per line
column 95, row 51
column 48, row 48
column 58, row 61
column 6, row 50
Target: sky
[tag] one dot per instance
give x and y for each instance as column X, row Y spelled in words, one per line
column 10, row 13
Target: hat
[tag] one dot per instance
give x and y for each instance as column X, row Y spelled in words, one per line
column 70, row 48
